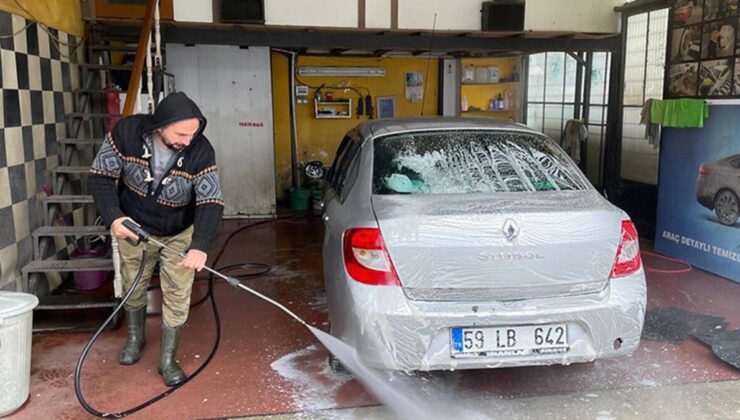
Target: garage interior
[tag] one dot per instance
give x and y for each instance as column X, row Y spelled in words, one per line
column 281, row 84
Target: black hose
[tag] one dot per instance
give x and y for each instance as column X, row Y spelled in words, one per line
column 216, row 318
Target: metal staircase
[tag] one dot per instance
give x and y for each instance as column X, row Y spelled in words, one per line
column 86, row 127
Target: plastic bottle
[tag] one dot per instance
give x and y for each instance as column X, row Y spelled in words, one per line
column 464, row 104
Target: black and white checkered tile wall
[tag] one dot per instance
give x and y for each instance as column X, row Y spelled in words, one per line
column 37, row 80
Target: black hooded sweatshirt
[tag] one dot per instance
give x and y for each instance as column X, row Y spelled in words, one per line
column 189, row 192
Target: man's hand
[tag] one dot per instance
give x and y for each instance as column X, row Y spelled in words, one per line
column 119, row 231
column 194, row 259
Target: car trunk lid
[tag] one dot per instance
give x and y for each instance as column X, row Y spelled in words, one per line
column 504, row 246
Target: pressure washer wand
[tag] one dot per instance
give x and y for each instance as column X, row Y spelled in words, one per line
column 146, row 237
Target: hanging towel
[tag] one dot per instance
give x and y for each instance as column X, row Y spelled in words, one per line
column 574, row 134
column 679, row 113
column 652, row 130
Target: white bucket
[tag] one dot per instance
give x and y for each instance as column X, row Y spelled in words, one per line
column 16, row 318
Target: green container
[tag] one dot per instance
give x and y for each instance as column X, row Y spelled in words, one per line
column 298, row 199
column 317, row 201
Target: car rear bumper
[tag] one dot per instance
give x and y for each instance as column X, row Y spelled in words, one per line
column 392, row 332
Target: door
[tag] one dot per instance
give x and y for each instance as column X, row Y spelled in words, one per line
column 232, row 87
column 130, row 9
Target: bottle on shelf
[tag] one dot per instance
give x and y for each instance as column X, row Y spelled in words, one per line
column 500, row 101
column 464, row 104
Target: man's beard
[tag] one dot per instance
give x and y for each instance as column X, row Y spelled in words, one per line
column 171, row 146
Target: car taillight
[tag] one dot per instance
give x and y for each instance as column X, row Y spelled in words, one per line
column 366, row 258
column 628, row 259
column 703, row 170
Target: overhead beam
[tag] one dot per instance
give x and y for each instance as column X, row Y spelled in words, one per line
column 364, row 40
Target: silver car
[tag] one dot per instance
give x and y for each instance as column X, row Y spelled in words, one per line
column 718, row 188
column 467, row 243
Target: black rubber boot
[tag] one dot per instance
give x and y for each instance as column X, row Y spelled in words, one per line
column 136, row 320
column 171, row 372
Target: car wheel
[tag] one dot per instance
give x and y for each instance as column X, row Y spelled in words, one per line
column 727, row 207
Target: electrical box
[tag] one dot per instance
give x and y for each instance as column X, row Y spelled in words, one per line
column 502, row 15
column 301, row 94
column 241, row 11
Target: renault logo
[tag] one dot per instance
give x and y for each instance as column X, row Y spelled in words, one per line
column 511, row 230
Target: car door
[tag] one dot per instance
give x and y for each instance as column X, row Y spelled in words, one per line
column 336, row 218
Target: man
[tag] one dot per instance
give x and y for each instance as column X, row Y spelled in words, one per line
column 159, row 171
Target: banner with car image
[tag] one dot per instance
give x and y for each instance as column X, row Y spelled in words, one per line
column 699, row 193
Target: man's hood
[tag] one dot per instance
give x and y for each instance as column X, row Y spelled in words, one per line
column 176, row 107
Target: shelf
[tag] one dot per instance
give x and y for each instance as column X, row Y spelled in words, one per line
column 483, row 111
column 488, row 83
column 343, row 105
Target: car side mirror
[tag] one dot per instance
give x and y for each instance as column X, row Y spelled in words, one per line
column 314, row 169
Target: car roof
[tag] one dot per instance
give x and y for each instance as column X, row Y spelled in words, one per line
column 381, row 127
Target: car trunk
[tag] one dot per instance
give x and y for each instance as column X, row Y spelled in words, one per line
column 503, row 246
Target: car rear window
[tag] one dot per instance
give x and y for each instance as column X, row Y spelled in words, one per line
column 471, row 161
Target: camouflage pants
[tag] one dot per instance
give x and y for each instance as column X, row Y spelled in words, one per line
column 176, row 281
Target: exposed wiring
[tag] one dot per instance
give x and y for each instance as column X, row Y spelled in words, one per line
column 13, row 35
column 686, row 269
column 56, row 42
column 429, row 60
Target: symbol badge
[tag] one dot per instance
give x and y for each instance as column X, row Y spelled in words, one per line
column 511, row 230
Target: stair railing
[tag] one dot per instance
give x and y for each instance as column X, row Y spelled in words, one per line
column 143, row 54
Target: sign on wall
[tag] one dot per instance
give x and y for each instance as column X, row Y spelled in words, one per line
column 703, row 49
column 698, row 194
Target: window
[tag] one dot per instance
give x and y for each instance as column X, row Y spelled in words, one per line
column 465, row 162
column 551, row 91
column 553, row 99
column 643, row 79
column 339, row 176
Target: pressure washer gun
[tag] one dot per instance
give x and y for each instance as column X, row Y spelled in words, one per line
column 146, row 237
column 137, row 230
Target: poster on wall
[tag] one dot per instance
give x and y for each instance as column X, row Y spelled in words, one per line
column 715, row 78
column 414, row 86
column 682, row 79
column 686, row 44
column 703, row 47
column 687, row 12
column 699, row 194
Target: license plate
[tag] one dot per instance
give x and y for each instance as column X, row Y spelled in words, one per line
column 509, row 341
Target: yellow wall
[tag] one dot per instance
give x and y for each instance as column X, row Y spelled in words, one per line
column 281, row 120
column 64, row 15
column 318, row 139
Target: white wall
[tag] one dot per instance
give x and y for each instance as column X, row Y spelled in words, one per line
column 192, row 10
column 541, row 15
column 572, row 15
column 334, row 13
column 232, row 86
column 378, row 13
